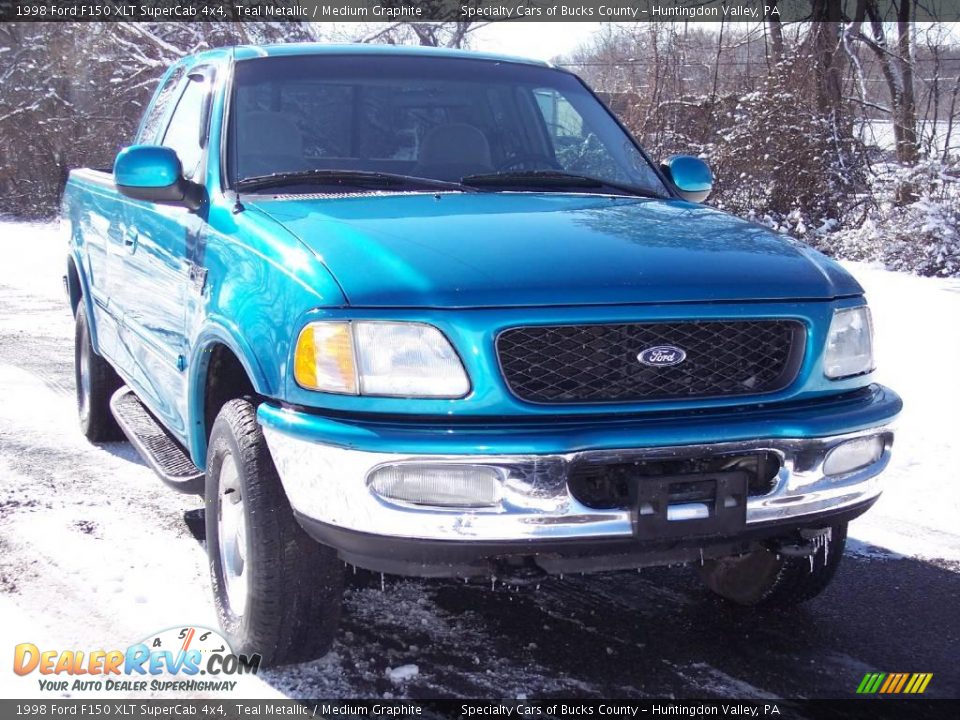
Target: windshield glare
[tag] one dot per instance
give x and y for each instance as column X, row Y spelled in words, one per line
column 437, row 118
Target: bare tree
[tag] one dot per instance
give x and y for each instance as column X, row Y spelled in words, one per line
column 896, row 63
column 824, row 38
column 775, row 29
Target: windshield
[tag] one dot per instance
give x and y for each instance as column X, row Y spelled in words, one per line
column 442, row 119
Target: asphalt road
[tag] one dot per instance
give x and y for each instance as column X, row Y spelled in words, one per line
column 93, row 547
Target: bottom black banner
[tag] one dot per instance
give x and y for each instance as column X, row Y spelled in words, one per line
column 546, row 709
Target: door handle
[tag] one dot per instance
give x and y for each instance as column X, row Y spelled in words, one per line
column 130, row 239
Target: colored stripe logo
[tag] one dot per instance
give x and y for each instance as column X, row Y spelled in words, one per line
column 894, row 683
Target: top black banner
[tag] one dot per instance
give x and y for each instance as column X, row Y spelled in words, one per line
column 469, row 10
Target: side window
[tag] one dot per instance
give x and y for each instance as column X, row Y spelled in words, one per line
column 148, row 130
column 575, row 147
column 562, row 120
column 183, row 133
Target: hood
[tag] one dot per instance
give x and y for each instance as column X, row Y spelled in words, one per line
column 525, row 249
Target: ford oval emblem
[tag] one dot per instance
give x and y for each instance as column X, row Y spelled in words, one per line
column 662, row 356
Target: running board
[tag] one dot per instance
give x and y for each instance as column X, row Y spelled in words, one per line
column 159, row 450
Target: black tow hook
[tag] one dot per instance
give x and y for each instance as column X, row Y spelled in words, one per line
column 802, row 543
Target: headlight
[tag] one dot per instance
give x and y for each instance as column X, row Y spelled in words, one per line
column 398, row 359
column 849, row 343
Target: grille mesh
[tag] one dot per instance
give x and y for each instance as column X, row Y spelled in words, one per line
column 598, row 363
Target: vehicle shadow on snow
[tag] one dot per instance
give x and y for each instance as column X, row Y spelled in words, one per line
column 656, row 633
column 123, row 450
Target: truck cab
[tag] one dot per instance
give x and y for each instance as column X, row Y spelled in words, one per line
column 437, row 313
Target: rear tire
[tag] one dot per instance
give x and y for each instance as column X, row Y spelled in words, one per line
column 277, row 592
column 767, row 579
column 96, row 382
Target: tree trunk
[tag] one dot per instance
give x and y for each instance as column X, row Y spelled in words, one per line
column 775, row 28
column 908, row 146
column 827, row 57
column 897, row 67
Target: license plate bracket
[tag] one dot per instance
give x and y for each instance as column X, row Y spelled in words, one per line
column 700, row 504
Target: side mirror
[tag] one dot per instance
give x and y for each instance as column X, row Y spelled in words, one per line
column 154, row 173
column 690, row 175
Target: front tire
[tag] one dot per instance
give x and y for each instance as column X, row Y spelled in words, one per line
column 770, row 579
column 96, row 382
column 277, row 592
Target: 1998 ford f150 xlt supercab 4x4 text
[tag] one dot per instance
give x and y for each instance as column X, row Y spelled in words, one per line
column 436, row 313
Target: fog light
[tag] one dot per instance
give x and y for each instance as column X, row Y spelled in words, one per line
column 467, row 486
column 853, row 455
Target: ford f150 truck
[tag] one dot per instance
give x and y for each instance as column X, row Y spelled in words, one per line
column 436, row 313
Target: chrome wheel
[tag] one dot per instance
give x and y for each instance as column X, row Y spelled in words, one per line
column 277, row 592
column 83, row 380
column 232, row 535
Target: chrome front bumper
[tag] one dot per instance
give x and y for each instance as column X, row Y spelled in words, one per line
column 328, row 484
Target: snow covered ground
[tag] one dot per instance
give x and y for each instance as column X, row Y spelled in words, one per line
column 917, row 324
column 880, row 134
column 96, row 553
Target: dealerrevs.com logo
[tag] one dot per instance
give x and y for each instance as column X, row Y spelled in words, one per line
column 187, row 659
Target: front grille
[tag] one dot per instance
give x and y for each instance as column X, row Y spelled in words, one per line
column 599, row 363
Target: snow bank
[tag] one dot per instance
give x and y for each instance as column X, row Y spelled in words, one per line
column 34, row 258
column 917, row 324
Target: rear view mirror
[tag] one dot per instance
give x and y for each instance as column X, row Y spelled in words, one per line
column 690, row 175
column 153, row 173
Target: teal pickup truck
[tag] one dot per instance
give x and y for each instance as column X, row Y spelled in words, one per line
column 436, row 313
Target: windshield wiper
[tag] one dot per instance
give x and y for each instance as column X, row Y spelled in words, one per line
column 547, row 179
column 351, row 178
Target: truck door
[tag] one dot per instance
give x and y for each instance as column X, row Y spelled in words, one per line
column 122, row 241
column 157, row 266
column 96, row 221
